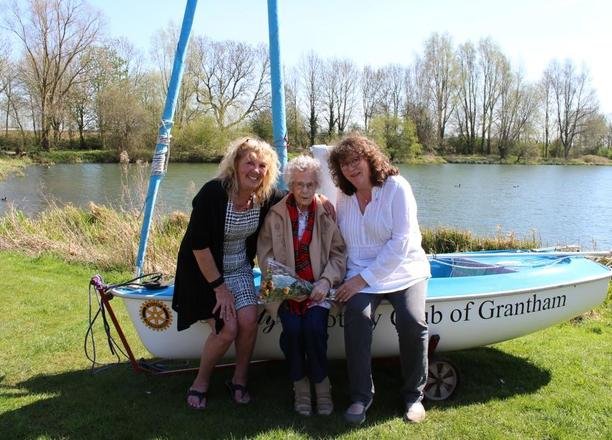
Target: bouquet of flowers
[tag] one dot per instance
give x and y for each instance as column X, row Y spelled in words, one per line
column 280, row 283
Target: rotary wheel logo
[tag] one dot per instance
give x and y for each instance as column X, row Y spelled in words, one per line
column 155, row 315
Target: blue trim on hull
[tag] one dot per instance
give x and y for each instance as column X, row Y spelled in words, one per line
column 521, row 274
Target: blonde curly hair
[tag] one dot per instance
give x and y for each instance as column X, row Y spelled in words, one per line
column 236, row 150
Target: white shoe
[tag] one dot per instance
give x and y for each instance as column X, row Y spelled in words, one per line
column 415, row 413
column 303, row 400
column 325, row 405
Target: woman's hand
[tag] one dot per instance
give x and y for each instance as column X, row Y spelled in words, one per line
column 320, row 289
column 225, row 303
column 347, row 290
column 328, row 206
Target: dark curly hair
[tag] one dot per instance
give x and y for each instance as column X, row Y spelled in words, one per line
column 360, row 146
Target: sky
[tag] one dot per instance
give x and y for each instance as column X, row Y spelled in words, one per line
column 378, row 32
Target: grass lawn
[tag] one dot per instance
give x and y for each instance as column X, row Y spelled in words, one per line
column 554, row 384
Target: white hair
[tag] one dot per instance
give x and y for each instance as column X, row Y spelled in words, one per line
column 299, row 164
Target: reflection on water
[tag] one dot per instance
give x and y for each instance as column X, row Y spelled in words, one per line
column 562, row 204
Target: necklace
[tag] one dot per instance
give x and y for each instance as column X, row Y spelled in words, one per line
column 363, row 201
column 243, row 206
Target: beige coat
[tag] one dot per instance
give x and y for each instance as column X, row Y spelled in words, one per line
column 327, row 248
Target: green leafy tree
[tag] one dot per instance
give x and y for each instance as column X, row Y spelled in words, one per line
column 261, row 125
column 200, row 140
column 397, row 136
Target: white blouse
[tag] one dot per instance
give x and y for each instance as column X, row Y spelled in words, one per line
column 383, row 243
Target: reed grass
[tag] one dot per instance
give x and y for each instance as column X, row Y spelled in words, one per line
column 446, row 239
column 12, row 165
column 98, row 235
column 108, row 238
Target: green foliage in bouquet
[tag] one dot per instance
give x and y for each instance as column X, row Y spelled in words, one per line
column 280, row 284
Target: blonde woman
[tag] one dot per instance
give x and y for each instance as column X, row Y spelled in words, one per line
column 214, row 279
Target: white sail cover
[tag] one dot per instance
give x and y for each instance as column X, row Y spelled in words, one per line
column 328, row 189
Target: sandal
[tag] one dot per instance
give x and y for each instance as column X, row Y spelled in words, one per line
column 244, row 393
column 201, row 395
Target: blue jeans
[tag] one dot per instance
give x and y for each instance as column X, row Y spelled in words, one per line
column 304, row 342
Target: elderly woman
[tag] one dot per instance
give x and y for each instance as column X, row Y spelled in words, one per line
column 300, row 234
column 377, row 215
column 214, row 279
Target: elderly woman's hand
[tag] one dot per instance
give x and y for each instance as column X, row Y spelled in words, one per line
column 319, row 290
column 328, row 206
column 349, row 288
column 225, row 303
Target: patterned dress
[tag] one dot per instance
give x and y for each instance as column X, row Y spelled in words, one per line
column 237, row 270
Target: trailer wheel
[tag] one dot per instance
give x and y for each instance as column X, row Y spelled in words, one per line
column 442, row 380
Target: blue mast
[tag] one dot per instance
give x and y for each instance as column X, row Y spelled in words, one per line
column 162, row 149
column 279, row 127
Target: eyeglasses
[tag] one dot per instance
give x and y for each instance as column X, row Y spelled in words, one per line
column 305, row 185
column 351, row 163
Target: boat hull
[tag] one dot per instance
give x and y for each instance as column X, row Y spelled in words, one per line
column 465, row 311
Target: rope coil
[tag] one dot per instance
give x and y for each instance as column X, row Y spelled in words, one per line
column 97, row 284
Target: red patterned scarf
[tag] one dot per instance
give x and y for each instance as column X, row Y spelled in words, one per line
column 303, row 268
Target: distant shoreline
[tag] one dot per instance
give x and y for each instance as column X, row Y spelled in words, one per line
column 10, row 164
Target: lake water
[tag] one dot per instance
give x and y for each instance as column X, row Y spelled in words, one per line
column 561, row 204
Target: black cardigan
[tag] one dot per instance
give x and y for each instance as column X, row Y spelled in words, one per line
column 193, row 298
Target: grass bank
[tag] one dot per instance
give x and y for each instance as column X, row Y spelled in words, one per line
column 551, row 384
column 75, row 156
column 109, row 239
column 195, row 156
column 588, row 159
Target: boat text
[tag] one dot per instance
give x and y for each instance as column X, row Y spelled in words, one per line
column 435, row 314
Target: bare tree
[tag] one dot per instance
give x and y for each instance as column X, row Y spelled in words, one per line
column 593, row 137
column 545, row 89
column 371, row 85
column 574, row 101
column 492, row 65
column 53, row 34
column 7, row 79
column 14, row 102
column 128, row 119
column 232, row 79
column 517, row 105
column 79, row 103
column 468, row 80
column 329, row 95
column 348, row 78
column 4, row 65
column 310, row 68
column 439, row 65
column 110, row 68
column 295, row 123
column 163, row 48
column 392, row 95
column 416, row 104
